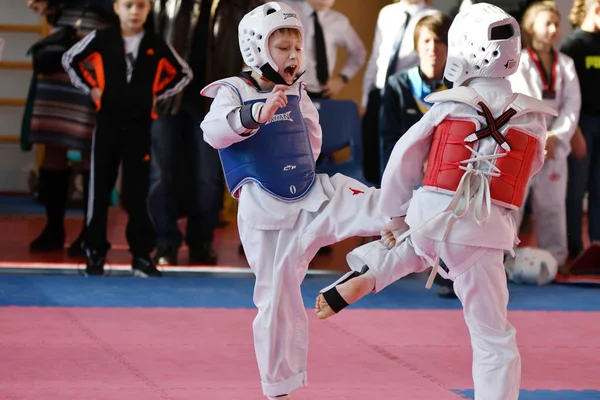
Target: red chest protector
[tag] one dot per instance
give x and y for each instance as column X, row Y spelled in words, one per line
column 515, row 149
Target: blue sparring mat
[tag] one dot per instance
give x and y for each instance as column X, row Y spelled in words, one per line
column 236, row 292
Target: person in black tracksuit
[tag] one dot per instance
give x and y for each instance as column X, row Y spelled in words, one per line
column 126, row 70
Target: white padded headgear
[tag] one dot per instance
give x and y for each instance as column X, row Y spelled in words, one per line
column 483, row 41
column 532, row 266
column 254, row 31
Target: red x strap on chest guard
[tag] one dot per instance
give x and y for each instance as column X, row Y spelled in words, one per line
column 493, row 126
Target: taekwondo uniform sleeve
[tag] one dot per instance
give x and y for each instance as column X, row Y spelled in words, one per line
column 565, row 123
column 172, row 75
column 311, row 118
column 405, row 166
column 354, row 48
column 73, row 62
column 223, row 125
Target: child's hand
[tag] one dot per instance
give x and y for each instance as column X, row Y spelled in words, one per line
column 96, row 95
column 550, row 142
column 392, row 231
column 276, row 100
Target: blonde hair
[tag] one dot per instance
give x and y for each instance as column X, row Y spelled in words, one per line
column 288, row 31
column 529, row 18
column 579, row 11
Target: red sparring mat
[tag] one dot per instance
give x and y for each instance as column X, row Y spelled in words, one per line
column 184, row 354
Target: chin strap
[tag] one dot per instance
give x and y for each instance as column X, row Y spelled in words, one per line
column 269, row 73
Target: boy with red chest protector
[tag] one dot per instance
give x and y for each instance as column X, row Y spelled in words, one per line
column 479, row 145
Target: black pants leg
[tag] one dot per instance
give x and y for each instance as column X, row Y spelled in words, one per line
column 207, row 185
column 370, row 136
column 106, row 157
column 140, row 232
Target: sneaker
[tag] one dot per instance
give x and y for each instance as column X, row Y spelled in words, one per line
column 94, row 261
column 166, row 255
column 143, row 267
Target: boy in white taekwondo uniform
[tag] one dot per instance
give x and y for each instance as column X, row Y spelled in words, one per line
column 482, row 143
column 268, row 135
column 558, row 87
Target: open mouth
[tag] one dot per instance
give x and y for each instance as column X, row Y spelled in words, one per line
column 290, row 71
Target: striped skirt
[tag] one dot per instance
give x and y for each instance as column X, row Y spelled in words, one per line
column 61, row 115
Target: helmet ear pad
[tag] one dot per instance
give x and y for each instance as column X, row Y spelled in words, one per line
column 455, row 68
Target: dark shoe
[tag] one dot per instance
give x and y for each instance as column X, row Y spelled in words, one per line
column 203, row 255
column 143, row 267
column 325, row 250
column 94, row 261
column 166, row 255
column 52, row 238
column 446, row 292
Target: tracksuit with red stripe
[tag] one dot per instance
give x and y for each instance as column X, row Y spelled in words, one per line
column 124, row 117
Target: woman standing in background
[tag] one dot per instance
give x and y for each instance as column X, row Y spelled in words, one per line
column 58, row 115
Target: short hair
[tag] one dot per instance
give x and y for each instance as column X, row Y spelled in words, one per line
column 290, row 31
column 529, row 18
column 437, row 23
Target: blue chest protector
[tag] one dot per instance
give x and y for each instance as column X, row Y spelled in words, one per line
column 278, row 157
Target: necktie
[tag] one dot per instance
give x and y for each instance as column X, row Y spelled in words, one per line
column 130, row 59
column 396, row 49
column 320, row 53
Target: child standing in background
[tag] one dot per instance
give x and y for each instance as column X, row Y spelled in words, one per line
column 550, row 76
column 133, row 68
column 583, row 46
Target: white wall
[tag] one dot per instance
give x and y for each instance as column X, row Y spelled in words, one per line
column 14, row 83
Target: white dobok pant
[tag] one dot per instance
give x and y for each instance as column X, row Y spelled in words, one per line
column 483, row 292
column 280, row 259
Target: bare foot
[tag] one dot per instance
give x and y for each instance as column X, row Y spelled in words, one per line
column 351, row 291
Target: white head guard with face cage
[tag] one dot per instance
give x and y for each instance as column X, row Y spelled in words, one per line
column 253, row 34
column 483, row 41
column 531, row 266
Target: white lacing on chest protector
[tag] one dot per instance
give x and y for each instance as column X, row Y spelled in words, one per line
column 473, row 188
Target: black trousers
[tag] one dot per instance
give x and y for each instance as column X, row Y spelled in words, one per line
column 370, row 136
column 117, row 141
column 186, row 174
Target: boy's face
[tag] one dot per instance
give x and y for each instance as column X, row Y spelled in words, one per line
column 431, row 50
column 321, row 5
column 132, row 13
column 286, row 50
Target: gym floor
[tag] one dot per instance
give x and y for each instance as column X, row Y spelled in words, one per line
column 188, row 336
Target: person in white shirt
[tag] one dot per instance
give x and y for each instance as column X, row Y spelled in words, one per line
column 550, row 76
column 336, row 32
column 393, row 50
